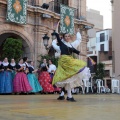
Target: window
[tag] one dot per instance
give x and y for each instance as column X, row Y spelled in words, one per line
column 102, row 37
column 110, row 57
column 57, row 5
column 62, row 1
column 107, row 73
column 102, row 47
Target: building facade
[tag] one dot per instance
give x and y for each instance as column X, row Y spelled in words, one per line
column 104, row 48
column 116, row 37
column 100, row 49
column 38, row 25
column 94, row 17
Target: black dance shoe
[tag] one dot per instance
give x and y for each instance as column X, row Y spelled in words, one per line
column 70, row 99
column 61, row 98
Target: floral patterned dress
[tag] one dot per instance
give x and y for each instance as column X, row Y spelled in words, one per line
column 46, row 82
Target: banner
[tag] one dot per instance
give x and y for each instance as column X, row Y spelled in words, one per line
column 17, row 11
column 66, row 19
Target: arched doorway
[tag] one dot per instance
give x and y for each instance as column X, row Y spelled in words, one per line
column 25, row 47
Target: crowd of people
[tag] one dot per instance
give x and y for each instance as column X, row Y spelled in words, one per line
column 20, row 78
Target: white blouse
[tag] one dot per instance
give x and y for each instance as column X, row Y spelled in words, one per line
column 51, row 68
column 75, row 44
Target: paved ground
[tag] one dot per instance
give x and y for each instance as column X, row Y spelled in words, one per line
column 46, row 107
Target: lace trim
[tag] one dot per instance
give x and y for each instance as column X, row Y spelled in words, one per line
column 75, row 80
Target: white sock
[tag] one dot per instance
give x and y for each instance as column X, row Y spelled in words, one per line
column 73, row 90
column 69, row 92
column 62, row 93
column 77, row 90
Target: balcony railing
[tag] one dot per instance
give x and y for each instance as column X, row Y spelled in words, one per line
column 31, row 2
column 54, row 7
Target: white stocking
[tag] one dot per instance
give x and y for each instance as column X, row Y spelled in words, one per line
column 69, row 92
column 62, row 93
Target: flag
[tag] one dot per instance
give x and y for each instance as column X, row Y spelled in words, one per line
column 91, row 61
column 17, row 11
column 66, row 19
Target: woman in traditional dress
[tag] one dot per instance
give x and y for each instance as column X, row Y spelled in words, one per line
column 33, row 79
column 20, row 82
column 51, row 70
column 70, row 71
column 45, row 81
column 6, row 85
column 25, row 61
column 13, row 68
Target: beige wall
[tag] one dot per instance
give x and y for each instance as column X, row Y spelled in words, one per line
column 94, row 17
column 116, row 35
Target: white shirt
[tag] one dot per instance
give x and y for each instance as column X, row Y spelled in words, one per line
column 75, row 44
column 51, row 68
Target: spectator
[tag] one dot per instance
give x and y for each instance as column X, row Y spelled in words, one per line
column 51, row 68
column 43, row 64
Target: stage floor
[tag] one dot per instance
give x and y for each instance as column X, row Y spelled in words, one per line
column 46, row 107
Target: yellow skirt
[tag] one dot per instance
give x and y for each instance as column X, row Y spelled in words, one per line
column 67, row 67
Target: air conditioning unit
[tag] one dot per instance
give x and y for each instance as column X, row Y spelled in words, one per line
column 88, row 27
column 82, row 18
column 46, row 16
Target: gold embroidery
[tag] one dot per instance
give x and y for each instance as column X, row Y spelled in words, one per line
column 17, row 6
column 67, row 20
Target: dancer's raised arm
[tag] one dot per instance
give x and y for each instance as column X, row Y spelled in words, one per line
column 55, row 46
column 76, row 43
column 58, row 38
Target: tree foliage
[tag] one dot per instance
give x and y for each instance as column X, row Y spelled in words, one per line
column 100, row 71
column 12, row 48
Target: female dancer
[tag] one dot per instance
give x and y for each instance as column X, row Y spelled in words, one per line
column 13, row 68
column 6, row 85
column 33, row 79
column 20, row 82
column 70, row 71
column 25, row 60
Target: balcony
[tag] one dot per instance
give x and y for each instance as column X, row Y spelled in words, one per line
column 31, row 2
column 54, row 7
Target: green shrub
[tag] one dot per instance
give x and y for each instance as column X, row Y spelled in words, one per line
column 12, row 48
column 100, row 71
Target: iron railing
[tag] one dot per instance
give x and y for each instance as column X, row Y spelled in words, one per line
column 54, row 7
column 31, row 2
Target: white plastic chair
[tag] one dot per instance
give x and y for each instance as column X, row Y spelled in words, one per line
column 115, row 86
column 99, row 85
column 87, row 85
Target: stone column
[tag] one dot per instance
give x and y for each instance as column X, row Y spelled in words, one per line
column 83, row 45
